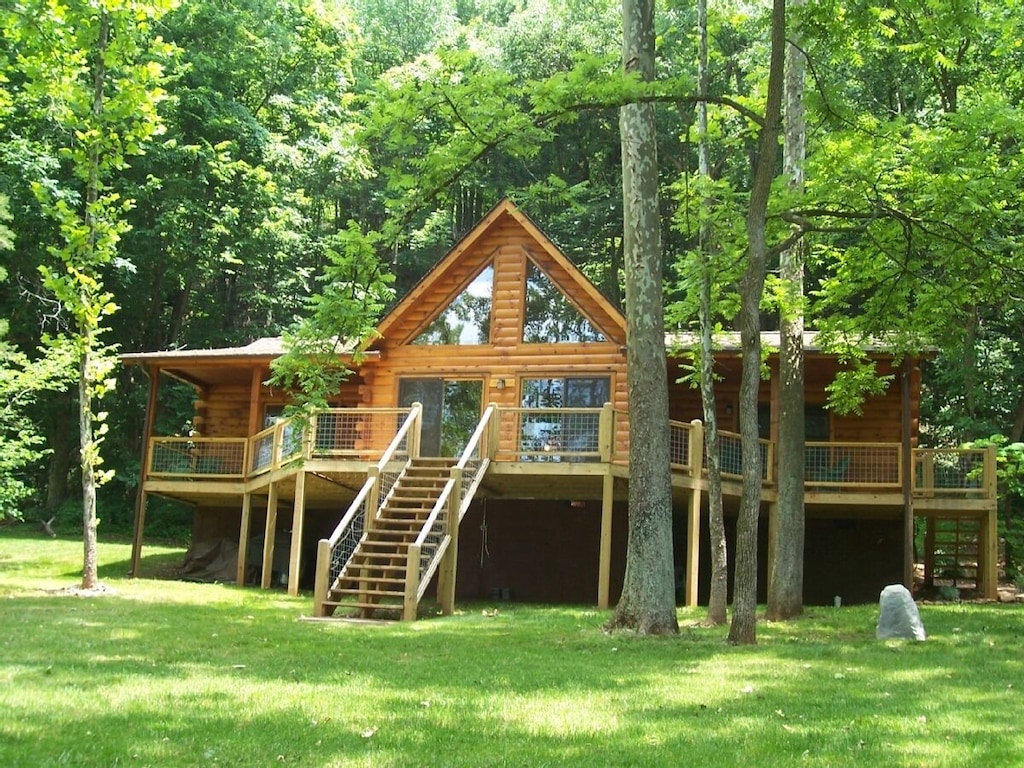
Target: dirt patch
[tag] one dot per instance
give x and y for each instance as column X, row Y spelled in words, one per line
column 99, row 590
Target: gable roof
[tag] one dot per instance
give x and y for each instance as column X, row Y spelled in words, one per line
column 566, row 276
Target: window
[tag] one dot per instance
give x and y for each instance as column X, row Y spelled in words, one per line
column 554, row 433
column 467, row 320
column 549, row 317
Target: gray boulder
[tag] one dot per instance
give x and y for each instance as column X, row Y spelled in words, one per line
column 898, row 616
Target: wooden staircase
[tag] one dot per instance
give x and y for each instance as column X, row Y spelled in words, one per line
column 374, row 580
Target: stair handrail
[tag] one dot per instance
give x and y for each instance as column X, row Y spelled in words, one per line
column 371, row 490
column 478, row 449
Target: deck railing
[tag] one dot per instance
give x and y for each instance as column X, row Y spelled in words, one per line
column 853, row 467
column 955, row 473
column 550, row 434
column 206, row 457
column 334, row 552
column 573, row 435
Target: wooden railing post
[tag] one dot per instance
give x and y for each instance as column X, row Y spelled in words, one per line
column 414, row 437
column 493, row 431
column 606, row 432
column 412, row 583
column 372, row 499
column 454, row 502
column 696, row 447
column 991, row 481
column 323, row 576
column 928, row 473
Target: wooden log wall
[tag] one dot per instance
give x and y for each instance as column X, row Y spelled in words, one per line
column 505, row 361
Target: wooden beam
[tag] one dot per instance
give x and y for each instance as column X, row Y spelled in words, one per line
column 243, row 538
column 693, row 547
column 450, row 559
column 269, row 534
column 298, row 523
column 140, row 493
column 988, row 568
column 604, row 569
column 255, row 387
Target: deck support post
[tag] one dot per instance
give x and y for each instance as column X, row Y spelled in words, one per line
column 988, row 555
column 989, row 544
column 298, row 521
column 929, row 551
column 269, row 533
column 450, row 559
column 692, row 548
column 142, row 498
column 140, row 524
column 412, row 583
column 604, row 569
column 323, row 576
column 243, row 538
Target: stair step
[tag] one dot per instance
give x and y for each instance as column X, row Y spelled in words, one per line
column 369, row 592
column 365, row 606
column 374, row 567
column 373, row 579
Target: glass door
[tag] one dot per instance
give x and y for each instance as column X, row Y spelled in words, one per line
column 451, row 411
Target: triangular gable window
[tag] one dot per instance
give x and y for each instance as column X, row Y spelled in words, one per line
column 467, row 320
column 549, row 317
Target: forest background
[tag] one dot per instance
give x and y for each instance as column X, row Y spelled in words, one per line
column 277, row 124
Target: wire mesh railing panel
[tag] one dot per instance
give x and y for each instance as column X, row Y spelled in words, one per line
column 346, row 545
column 552, row 434
column 730, row 455
column 205, row 456
column 679, row 443
column 355, row 432
column 262, row 455
column 431, row 540
column 953, row 472
column 852, row 466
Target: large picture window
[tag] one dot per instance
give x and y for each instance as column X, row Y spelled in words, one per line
column 549, row 435
column 549, row 317
column 467, row 320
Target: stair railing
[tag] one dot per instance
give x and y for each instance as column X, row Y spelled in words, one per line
column 334, row 552
column 424, row 554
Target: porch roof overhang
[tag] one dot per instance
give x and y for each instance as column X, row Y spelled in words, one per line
column 224, row 365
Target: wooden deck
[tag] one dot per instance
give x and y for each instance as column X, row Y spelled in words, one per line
column 335, row 456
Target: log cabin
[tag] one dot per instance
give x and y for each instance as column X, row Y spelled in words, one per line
column 479, row 450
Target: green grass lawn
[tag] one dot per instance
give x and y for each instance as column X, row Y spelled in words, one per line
column 178, row 674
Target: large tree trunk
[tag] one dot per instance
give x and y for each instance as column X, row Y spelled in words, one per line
column 647, row 603
column 719, row 594
column 786, row 582
column 743, row 628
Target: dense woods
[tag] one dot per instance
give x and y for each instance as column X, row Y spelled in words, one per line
column 287, row 147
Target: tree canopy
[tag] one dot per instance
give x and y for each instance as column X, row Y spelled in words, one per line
column 298, row 148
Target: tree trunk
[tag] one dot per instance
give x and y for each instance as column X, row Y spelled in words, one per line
column 786, row 583
column 88, row 456
column 87, row 331
column 743, row 628
column 719, row 594
column 647, row 603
